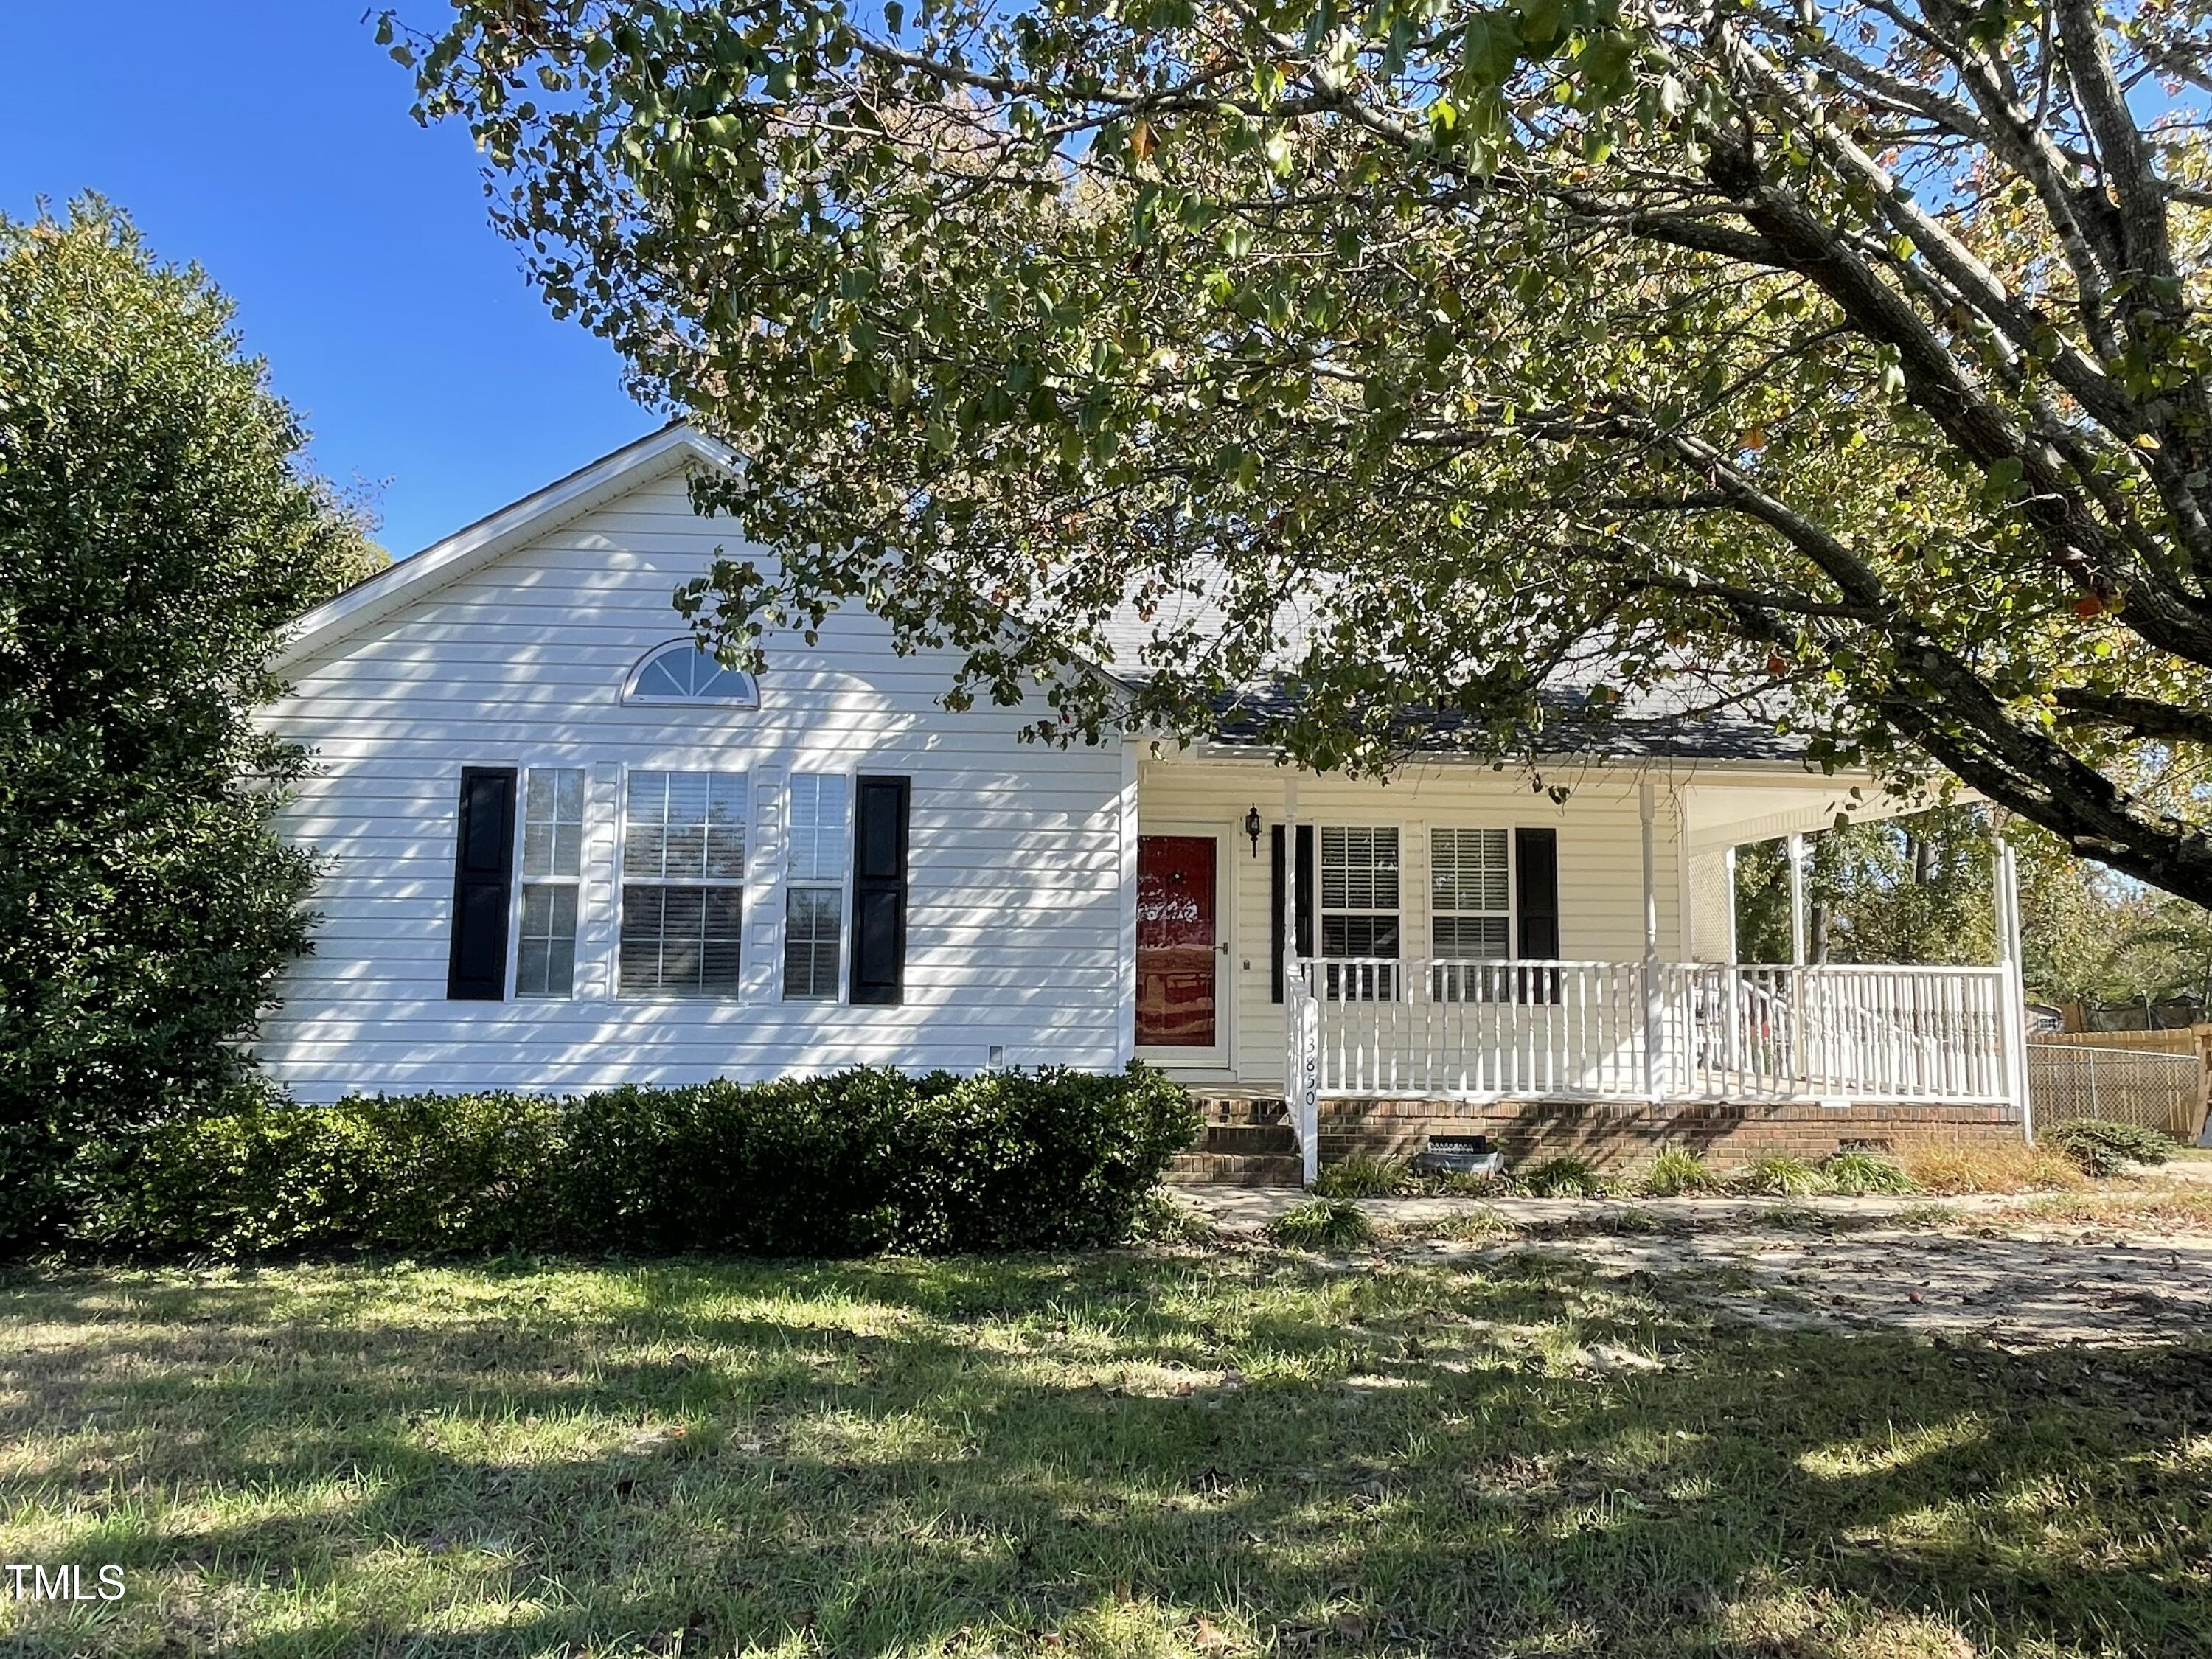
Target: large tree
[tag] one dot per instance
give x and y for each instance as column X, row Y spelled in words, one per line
column 1918, row 889
column 1915, row 889
column 156, row 529
column 1494, row 358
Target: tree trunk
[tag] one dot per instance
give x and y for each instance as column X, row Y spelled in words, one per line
column 1921, row 851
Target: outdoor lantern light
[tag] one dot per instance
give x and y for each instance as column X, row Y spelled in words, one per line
column 1252, row 828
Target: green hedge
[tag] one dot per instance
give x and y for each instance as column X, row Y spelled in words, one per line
column 856, row 1161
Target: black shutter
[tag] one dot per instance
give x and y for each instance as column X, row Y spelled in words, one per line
column 1536, row 892
column 483, row 881
column 879, row 890
column 1276, row 913
column 1536, row 908
column 1275, row 902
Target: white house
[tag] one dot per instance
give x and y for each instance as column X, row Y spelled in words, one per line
column 567, row 851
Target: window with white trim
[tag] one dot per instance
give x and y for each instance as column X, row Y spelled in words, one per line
column 552, row 859
column 814, row 887
column 1470, row 894
column 682, row 673
column 683, row 883
column 1359, row 908
column 1470, row 914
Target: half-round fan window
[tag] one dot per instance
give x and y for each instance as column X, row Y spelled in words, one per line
column 682, row 673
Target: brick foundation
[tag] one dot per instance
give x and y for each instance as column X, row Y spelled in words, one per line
column 1622, row 1135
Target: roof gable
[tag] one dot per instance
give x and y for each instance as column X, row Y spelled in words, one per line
column 512, row 526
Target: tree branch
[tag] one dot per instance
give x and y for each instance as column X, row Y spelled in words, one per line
column 2140, row 717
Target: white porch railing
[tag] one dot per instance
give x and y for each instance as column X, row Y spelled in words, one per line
column 1681, row 1031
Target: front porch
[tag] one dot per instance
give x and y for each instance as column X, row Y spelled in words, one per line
column 1393, row 957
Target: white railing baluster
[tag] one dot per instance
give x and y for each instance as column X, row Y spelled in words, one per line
column 1491, row 1029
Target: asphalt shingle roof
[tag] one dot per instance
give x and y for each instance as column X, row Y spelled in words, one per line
column 1660, row 726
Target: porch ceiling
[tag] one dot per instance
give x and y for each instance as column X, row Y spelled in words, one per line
column 1723, row 814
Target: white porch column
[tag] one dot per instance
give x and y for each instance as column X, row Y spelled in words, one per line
column 1655, row 1072
column 1795, row 844
column 1125, row 1037
column 1290, row 878
column 2012, row 1000
column 1728, row 938
column 1301, row 1032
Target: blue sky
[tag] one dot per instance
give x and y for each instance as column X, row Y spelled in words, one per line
column 270, row 141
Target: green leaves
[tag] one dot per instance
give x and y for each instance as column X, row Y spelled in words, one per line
column 1541, row 21
column 157, row 528
column 1442, row 324
column 1489, row 53
column 864, row 1159
column 1604, row 63
column 2002, row 480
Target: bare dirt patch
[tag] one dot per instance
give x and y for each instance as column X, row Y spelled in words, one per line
column 2013, row 1287
column 1996, row 1270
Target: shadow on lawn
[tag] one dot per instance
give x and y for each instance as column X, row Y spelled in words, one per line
column 881, row 1456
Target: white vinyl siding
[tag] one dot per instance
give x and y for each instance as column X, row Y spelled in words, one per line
column 682, row 894
column 814, row 892
column 552, row 867
column 1015, row 917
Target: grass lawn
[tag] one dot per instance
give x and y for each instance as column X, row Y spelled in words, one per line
column 1217, row 1453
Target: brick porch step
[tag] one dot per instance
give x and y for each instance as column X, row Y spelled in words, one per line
column 1235, row 1170
column 1248, row 1139
column 1244, row 1142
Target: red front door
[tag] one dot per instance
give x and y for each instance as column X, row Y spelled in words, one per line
column 1177, row 956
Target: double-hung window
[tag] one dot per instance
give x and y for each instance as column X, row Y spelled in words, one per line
column 1470, row 912
column 552, row 857
column 1359, row 911
column 814, row 887
column 684, row 883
